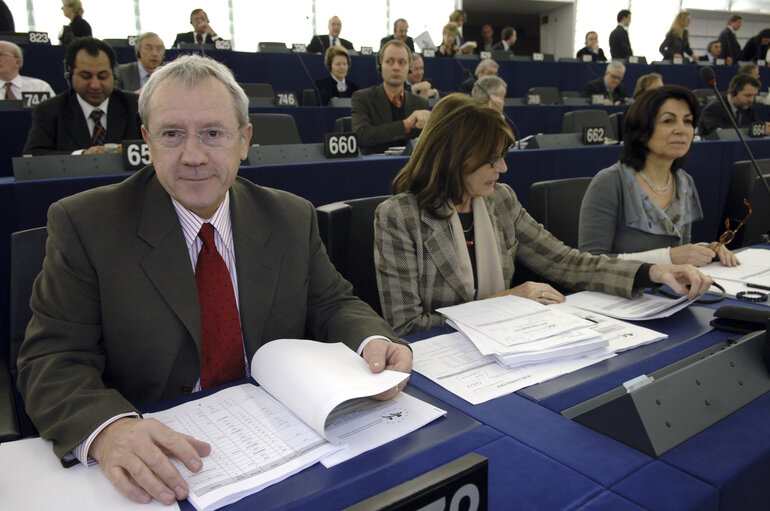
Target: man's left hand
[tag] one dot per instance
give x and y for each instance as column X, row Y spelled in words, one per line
column 381, row 354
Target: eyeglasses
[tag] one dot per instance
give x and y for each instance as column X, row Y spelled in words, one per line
column 211, row 137
column 729, row 234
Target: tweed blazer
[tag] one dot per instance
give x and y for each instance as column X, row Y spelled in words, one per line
column 417, row 266
column 116, row 317
column 373, row 122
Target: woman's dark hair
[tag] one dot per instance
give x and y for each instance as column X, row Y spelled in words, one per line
column 639, row 123
column 461, row 135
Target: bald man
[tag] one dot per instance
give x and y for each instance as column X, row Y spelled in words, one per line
column 320, row 43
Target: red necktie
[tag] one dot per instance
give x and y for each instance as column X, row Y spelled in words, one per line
column 221, row 341
column 199, row 37
column 8, row 92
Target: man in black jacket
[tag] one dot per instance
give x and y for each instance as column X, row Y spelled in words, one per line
column 89, row 114
column 609, row 86
column 320, row 43
column 731, row 49
column 740, row 97
column 620, row 45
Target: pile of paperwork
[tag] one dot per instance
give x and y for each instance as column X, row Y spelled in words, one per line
column 310, row 407
column 508, row 343
column 753, row 274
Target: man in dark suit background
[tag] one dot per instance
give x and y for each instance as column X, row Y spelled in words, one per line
column 507, row 40
column 202, row 32
column 487, row 39
column 6, row 18
column 68, row 123
column 731, row 48
column 386, row 115
column 713, row 52
column 740, row 97
column 592, row 48
column 610, row 85
column 319, row 43
column 487, row 67
column 118, row 318
column 149, row 54
column 620, row 44
column 400, row 28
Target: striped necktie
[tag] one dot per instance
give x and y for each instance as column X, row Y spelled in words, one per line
column 99, row 134
column 8, row 92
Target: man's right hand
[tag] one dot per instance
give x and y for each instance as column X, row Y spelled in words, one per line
column 132, row 454
column 418, row 118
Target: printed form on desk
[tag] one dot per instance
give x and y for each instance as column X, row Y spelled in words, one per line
column 754, row 269
column 455, row 363
column 310, row 410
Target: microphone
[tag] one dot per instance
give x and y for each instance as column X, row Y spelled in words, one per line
column 516, row 131
column 707, row 75
column 307, row 73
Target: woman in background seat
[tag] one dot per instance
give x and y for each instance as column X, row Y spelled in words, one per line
column 643, row 206
column 336, row 85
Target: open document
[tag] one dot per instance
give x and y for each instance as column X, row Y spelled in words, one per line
column 454, row 362
column 753, row 274
column 311, row 405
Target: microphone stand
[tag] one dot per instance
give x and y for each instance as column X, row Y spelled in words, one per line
column 707, row 75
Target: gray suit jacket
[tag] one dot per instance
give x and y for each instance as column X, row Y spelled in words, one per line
column 373, row 122
column 417, row 266
column 116, row 317
column 128, row 77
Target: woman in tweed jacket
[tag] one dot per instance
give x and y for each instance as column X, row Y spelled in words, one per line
column 451, row 233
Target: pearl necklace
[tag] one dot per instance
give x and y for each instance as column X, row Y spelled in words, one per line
column 659, row 191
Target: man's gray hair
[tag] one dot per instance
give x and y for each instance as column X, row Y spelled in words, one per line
column 486, row 86
column 143, row 36
column 616, row 65
column 16, row 50
column 486, row 63
column 190, row 70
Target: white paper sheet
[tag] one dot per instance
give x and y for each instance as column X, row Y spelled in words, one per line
column 453, row 362
column 363, row 424
column 255, row 442
column 324, row 375
column 32, row 478
column 511, row 320
column 643, row 308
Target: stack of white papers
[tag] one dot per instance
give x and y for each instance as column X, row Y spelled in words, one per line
column 754, row 269
column 516, row 331
column 456, row 362
column 643, row 308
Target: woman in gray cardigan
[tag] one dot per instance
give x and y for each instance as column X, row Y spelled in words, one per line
column 643, row 206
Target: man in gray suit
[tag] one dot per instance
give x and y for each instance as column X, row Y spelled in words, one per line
column 118, row 318
column 386, row 115
column 149, row 55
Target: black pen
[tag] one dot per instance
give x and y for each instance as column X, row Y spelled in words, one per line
column 758, row 286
